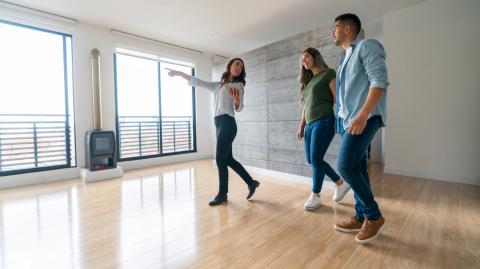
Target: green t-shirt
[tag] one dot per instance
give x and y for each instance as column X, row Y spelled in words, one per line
column 317, row 97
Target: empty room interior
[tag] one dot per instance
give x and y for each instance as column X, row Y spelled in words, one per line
column 239, row 134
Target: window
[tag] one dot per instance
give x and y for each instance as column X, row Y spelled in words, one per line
column 36, row 100
column 155, row 113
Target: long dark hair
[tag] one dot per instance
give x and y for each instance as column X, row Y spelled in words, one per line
column 306, row 75
column 226, row 75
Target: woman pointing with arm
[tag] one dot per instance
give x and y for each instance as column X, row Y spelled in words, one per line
column 228, row 99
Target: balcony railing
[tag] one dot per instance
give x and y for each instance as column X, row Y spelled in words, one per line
column 34, row 141
column 146, row 136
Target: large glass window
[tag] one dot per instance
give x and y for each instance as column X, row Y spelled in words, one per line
column 36, row 99
column 155, row 113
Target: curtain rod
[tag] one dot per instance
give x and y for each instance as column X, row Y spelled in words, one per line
column 125, row 34
column 37, row 12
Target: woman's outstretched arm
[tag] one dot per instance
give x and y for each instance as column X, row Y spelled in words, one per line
column 192, row 80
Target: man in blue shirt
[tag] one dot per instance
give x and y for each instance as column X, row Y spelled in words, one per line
column 360, row 109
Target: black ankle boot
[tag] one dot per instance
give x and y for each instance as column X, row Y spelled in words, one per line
column 252, row 188
column 219, row 199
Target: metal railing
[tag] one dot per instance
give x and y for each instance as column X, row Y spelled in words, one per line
column 30, row 141
column 145, row 136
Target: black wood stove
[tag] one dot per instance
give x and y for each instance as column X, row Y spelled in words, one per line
column 100, row 150
column 100, row 147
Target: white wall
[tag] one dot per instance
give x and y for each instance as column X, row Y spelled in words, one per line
column 374, row 29
column 433, row 103
column 85, row 38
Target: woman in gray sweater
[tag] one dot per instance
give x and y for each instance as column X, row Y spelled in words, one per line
column 228, row 99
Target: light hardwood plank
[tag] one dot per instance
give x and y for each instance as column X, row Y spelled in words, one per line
column 159, row 218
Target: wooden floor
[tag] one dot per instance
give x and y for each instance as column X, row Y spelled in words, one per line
column 160, row 218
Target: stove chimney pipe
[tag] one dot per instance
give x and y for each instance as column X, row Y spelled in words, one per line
column 97, row 104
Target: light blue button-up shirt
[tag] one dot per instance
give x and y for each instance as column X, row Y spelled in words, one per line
column 360, row 70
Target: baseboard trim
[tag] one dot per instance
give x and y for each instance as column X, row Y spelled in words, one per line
column 330, row 184
column 146, row 163
column 451, row 179
column 75, row 173
column 287, row 177
column 39, row 177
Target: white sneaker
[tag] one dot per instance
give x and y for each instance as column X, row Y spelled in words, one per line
column 313, row 202
column 340, row 191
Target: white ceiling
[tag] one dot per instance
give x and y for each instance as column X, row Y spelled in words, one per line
column 223, row 27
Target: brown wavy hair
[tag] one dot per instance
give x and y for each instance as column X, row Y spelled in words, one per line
column 306, row 75
column 226, row 75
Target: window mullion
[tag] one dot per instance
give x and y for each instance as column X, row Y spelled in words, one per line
column 160, row 121
column 194, row 115
column 67, row 123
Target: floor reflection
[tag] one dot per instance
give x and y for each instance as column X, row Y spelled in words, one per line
column 97, row 225
column 40, row 231
column 155, row 211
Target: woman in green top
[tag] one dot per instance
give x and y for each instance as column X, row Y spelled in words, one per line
column 317, row 127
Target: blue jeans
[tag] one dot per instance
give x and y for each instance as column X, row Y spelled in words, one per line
column 353, row 166
column 318, row 135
